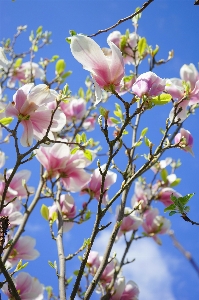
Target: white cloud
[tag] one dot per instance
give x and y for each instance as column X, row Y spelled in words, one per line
column 151, row 270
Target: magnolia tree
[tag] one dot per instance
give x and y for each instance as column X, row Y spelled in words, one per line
column 45, row 122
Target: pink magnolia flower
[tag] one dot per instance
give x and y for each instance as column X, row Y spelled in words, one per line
column 15, row 217
column 74, row 110
column 154, row 224
column 130, row 222
column 24, row 73
column 107, row 72
column 59, row 161
column 140, row 196
column 162, row 164
column 148, row 84
column 94, row 186
column 29, row 288
column 175, row 87
column 165, row 196
column 23, row 249
column 89, row 123
column 189, row 74
column 130, row 291
column 29, row 107
column 93, row 263
column 68, row 209
column 185, row 140
column 108, row 272
column 16, row 187
column 127, row 50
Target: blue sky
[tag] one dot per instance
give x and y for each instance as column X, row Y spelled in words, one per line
column 165, row 274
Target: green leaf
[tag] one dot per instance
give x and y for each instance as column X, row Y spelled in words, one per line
column 35, row 48
column 170, row 207
column 185, row 199
column 187, row 209
column 115, row 121
column 164, row 175
column 54, row 57
column 88, row 94
column 54, row 217
column 142, row 44
column 88, row 215
column 176, row 182
column 60, row 66
column 103, row 111
column 161, row 99
column 137, row 144
column 44, row 212
column 78, row 138
column 147, row 141
column 6, row 121
column 81, row 93
column 155, row 51
column 117, row 106
column 84, row 138
column 144, row 131
column 125, row 132
column 51, row 264
column 118, row 113
column 39, row 30
column 65, row 75
column 72, row 32
column 123, row 41
column 69, row 280
column 18, row 62
column 88, row 154
column 172, row 213
column 20, row 266
column 76, row 272
column 74, row 150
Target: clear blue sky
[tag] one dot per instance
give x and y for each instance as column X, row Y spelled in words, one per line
column 171, row 25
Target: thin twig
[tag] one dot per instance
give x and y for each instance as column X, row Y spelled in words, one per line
column 144, row 6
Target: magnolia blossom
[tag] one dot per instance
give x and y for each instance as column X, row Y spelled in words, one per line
column 148, row 84
column 68, row 210
column 89, row 123
column 162, row 164
column 176, row 88
column 15, row 217
column 185, row 140
column 29, row 107
column 107, row 72
column 16, row 187
column 23, row 249
column 129, row 50
column 189, row 74
column 130, row 222
column 165, row 196
column 29, row 288
column 154, row 224
column 140, row 196
column 74, row 110
column 58, row 160
column 94, row 261
column 130, row 291
column 24, row 73
column 94, row 186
